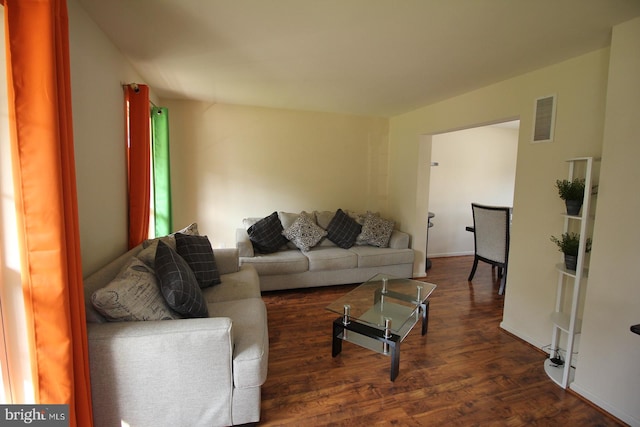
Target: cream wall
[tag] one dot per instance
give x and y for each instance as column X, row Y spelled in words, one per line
column 230, row 162
column 580, row 85
column 97, row 73
column 608, row 371
column 475, row 165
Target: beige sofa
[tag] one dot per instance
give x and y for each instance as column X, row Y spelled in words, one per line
column 325, row 263
column 185, row 372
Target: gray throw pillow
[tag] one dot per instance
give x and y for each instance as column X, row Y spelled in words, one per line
column 178, row 283
column 343, row 230
column 266, row 234
column 197, row 251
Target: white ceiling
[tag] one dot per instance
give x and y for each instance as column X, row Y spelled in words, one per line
column 365, row 57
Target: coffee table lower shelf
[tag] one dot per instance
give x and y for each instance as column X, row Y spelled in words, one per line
column 379, row 340
column 367, row 337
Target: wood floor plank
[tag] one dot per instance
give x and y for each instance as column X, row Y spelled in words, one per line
column 466, row 371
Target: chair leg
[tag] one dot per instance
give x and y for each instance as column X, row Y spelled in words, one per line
column 473, row 270
column 503, row 282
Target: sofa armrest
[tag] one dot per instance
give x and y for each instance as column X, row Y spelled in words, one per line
column 243, row 243
column 161, row 372
column 399, row 240
column 226, row 260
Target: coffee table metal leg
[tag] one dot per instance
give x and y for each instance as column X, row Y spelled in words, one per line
column 336, row 346
column 346, row 319
column 425, row 317
column 395, row 360
column 387, row 334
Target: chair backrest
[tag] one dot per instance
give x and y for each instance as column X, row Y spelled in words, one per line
column 492, row 224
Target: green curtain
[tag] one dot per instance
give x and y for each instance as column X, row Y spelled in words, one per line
column 161, row 171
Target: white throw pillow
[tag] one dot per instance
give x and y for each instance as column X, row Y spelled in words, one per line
column 376, row 231
column 304, row 232
column 134, row 294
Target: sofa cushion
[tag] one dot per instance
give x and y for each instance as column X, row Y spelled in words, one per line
column 178, row 283
column 242, row 284
column 266, row 234
column 371, row 256
column 323, row 218
column 323, row 258
column 287, row 218
column 191, row 229
column 343, row 230
column 281, row 262
column 399, row 240
column 304, row 232
column 133, row 294
column 226, row 260
column 148, row 254
column 376, row 231
column 358, row 216
column 251, row 339
column 197, row 251
column 149, row 246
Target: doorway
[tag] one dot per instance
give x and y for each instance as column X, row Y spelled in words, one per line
column 471, row 165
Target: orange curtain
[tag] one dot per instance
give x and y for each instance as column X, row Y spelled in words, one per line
column 39, row 92
column 138, row 160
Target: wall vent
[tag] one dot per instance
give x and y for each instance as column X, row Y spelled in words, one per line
column 544, row 119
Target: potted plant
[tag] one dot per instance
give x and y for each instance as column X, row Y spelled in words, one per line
column 572, row 192
column 569, row 244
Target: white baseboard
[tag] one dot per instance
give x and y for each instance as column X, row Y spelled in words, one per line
column 442, row 255
column 523, row 337
column 616, row 412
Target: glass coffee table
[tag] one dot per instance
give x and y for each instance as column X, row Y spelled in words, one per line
column 379, row 314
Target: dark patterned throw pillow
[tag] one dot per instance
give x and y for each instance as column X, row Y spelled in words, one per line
column 197, row 251
column 343, row 230
column 178, row 283
column 266, row 234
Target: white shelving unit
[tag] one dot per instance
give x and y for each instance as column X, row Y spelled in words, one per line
column 565, row 318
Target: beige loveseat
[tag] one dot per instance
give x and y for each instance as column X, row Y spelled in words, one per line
column 183, row 372
column 325, row 263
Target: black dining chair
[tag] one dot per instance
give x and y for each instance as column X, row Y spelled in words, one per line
column 491, row 239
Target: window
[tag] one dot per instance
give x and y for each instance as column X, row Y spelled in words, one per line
column 14, row 348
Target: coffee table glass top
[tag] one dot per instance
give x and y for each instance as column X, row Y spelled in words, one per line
column 385, row 297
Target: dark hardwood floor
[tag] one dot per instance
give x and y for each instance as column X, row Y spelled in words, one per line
column 466, row 371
